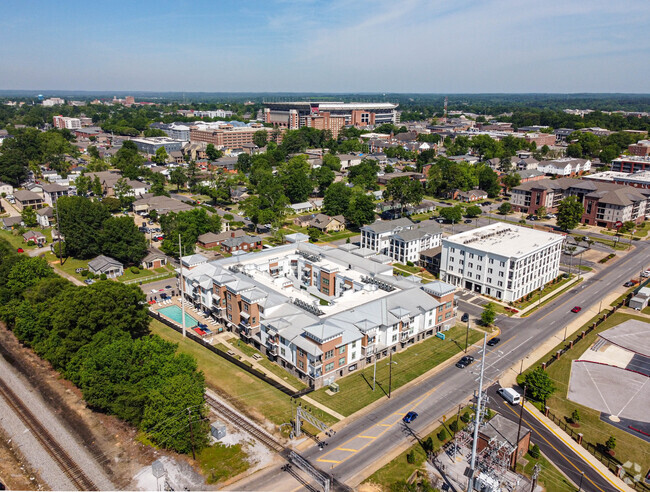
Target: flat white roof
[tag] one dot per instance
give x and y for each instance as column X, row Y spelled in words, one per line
column 504, row 239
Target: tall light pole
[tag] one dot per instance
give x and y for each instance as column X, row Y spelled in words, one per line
column 180, row 257
column 477, row 419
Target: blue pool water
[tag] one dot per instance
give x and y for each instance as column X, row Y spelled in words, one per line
column 175, row 313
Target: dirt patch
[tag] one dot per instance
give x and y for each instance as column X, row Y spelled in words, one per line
column 15, row 473
column 112, row 442
column 369, row 487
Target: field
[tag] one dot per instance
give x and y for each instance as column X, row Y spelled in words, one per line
column 356, row 389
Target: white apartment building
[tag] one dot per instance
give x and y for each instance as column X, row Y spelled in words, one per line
column 219, row 113
column 565, row 166
column 501, row 260
column 321, row 313
column 65, row 122
column 400, row 239
column 53, row 101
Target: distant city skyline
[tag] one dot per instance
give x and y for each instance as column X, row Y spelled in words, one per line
column 500, row 46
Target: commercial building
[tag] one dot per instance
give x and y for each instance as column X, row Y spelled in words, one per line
column 53, row 101
column 605, row 203
column 321, row 313
column 223, row 135
column 294, row 115
column 401, row 239
column 65, row 122
column 151, row 145
column 177, row 131
column 631, row 164
column 501, row 260
column 219, row 113
column 639, row 179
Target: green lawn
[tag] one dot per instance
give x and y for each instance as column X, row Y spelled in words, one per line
column 595, row 431
column 549, row 476
column 554, row 296
column 220, row 462
column 548, row 288
column 356, row 389
column 16, row 239
column 144, row 275
column 69, row 264
column 410, row 269
column 252, row 396
column 335, row 236
column 400, row 469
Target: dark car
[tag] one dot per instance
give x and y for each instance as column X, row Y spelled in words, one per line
column 576, row 309
column 629, row 284
column 493, row 341
column 465, row 318
column 410, row 417
column 465, row 361
column 468, row 221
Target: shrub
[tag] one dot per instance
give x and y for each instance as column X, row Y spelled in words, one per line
column 454, row 426
column 410, row 263
column 91, row 275
column 31, row 243
column 575, row 416
column 85, row 273
column 442, row 435
column 535, row 452
column 410, row 457
column 134, row 269
column 103, row 276
column 465, row 417
column 611, row 443
column 428, row 444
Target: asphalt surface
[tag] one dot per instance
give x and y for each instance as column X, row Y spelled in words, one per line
column 561, row 455
column 368, row 438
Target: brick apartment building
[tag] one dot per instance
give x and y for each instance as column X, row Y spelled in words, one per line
column 631, row 164
column 641, row 148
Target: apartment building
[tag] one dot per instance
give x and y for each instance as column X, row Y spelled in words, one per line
column 294, row 115
column 401, row 239
column 151, row 145
column 270, row 299
column 65, row 122
column 223, row 136
column 641, row 148
column 605, row 202
column 176, row 131
column 631, row 164
column 219, row 113
column 53, row 101
column 501, row 260
column 52, row 192
column 565, row 166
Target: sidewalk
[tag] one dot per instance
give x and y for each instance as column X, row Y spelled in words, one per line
column 554, row 292
column 578, row 449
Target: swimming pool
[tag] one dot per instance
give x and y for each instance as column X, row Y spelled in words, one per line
column 175, row 313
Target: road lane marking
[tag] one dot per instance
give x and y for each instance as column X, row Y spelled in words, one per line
column 328, row 461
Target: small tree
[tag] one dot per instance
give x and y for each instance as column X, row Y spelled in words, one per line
column 28, row 215
column 442, row 435
column 535, row 452
column 103, row 276
column 410, row 457
column 610, row 444
column 539, row 384
column 473, row 211
column 465, row 417
column 541, row 212
column 428, row 444
column 314, row 234
column 488, row 315
column 569, row 213
column 505, row 208
column 454, row 426
column 575, row 416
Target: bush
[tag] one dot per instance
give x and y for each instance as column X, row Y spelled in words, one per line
column 442, row 435
column 611, row 443
column 410, row 457
column 453, row 426
column 134, row 269
column 85, row 273
column 428, row 445
column 31, row 243
column 535, row 452
column 575, row 416
column 410, row 263
column 103, row 276
column 91, row 275
column 465, row 417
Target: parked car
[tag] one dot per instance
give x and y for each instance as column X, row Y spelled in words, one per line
column 510, row 395
column 89, row 281
column 629, row 284
column 576, row 309
column 493, row 341
column 465, row 317
column 20, row 250
column 468, row 221
column 410, row 417
column 465, row 361
column 646, row 274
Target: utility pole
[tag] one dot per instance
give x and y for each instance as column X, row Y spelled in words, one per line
column 536, row 471
column 521, row 416
column 390, row 373
column 374, row 374
column 467, row 334
column 180, row 259
column 58, row 226
column 477, row 419
column 189, row 420
column 565, row 329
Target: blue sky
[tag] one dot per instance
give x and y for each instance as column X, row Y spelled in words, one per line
column 326, row 46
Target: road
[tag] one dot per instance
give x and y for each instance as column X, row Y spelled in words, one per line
column 352, row 452
column 561, row 455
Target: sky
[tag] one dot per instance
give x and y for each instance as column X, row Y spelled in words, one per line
column 424, row 46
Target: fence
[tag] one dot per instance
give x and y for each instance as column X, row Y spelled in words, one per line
column 229, row 358
column 598, row 451
column 146, row 280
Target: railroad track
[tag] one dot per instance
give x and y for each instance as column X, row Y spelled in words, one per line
column 42, row 435
column 264, row 438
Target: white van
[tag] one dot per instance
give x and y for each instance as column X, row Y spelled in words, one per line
column 510, row 395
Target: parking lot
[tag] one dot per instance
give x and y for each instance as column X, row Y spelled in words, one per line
column 167, row 287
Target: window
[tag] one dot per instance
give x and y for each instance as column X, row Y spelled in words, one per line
column 301, row 352
column 283, row 352
column 342, row 350
column 489, row 270
column 341, row 361
column 440, row 319
column 329, row 367
column 301, row 364
column 326, row 281
column 329, row 354
column 394, row 337
column 353, row 356
column 245, row 307
column 229, row 297
column 491, row 261
column 448, row 305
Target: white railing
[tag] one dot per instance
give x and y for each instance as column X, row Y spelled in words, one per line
column 148, row 279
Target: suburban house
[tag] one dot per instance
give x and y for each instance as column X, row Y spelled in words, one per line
column 469, row 196
column 44, row 216
column 5, row 188
column 212, row 240
column 10, row 223
column 325, row 223
column 37, row 237
column 161, row 204
column 154, row 260
column 384, row 179
column 109, row 179
column 106, row 265
column 52, row 192
column 348, row 160
column 302, row 207
column 241, row 243
column 28, row 199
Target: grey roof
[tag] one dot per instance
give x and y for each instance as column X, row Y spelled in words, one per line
column 417, row 233
column 632, row 335
column 195, row 259
column 153, row 256
column 30, row 234
column 502, row 429
column 103, row 263
column 438, row 288
column 12, row 221
column 25, row 195
column 237, row 241
column 210, row 237
column 46, row 212
column 380, row 226
column 53, row 188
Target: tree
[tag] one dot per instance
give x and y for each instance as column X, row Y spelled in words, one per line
column 83, row 184
column 112, row 204
column 361, row 210
column 190, row 225
column 124, row 192
column 541, row 212
column 121, row 239
column 314, row 234
column 404, row 190
column 488, row 315
column 505, row 208
column 158, row 185
column 324, row 177
column 337, row 199
column 161, row 156
column 364, row 175
column 473, row 211
column 96, row 187
column 569, row 213
column 539, row 384
column 488, row 181
column 129, row 161
column 243, row 164
column 442, row 435
column 511, row 181
column 331, row 161
column 260, row 138
column 80, row 222
column 29, row 217
column 535, row 452
column 505, row 163
column 178, row 177
column 575, row 416
column 212, row 152
column 574, row 150
column 610, row 444
column 452, row 214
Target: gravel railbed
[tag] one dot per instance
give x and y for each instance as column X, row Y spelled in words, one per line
column 49, row 420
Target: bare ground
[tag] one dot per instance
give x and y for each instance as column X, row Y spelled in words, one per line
column 110, row 440
column 15, row 473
